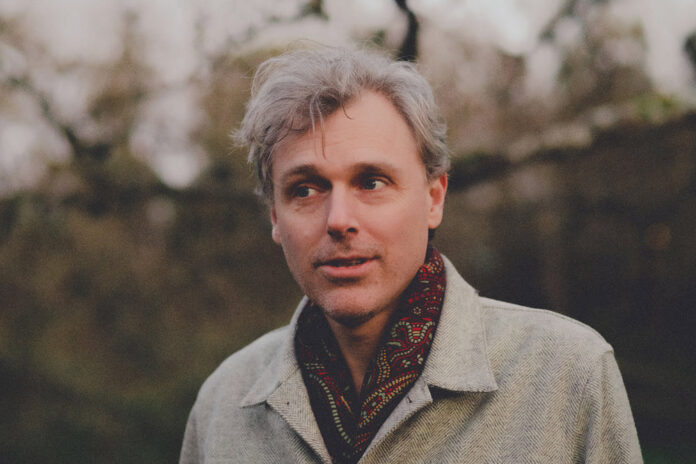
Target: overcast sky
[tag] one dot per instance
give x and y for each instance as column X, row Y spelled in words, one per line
column 176, row 36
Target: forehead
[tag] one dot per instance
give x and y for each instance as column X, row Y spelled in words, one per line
column 369, row 130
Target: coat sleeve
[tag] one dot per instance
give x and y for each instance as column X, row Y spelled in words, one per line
column 606, row 429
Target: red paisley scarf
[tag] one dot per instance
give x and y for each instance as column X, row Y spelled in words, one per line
column 347, row 422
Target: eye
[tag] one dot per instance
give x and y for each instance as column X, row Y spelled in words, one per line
column 374, row 183
column 304, row 191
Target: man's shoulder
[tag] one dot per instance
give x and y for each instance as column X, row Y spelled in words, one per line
column 540, row 322
column 514, row 332
column 540, row 332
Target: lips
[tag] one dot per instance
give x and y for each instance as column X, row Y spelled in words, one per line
column 345, row 268
column 344, row 262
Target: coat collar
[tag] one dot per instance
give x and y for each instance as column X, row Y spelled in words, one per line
column 282, row 387
column 458, row 360
column 282, row 367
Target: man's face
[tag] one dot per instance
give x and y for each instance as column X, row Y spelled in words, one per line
column 352, row 211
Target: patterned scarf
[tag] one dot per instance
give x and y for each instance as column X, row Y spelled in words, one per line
column 347, row 422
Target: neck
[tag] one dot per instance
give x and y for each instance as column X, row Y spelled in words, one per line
column 359, row 344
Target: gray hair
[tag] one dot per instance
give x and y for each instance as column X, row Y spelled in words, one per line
column 294, row 91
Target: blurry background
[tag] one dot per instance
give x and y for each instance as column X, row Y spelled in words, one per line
column 134, row 257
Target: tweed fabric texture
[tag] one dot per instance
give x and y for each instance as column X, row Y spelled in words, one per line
column 348, row 422
column 502, row 384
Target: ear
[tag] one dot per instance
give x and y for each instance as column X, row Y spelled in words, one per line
column 436, row 195
column 275, row 234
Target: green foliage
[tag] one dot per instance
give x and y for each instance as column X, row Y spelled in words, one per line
column 656, row 108
column 110, row 322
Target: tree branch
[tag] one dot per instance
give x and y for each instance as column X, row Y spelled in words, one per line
column 409, row 46
column 78, row 147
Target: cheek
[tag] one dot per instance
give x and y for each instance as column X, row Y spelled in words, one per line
column 405, row 226
column 295, row 237
column 409, row 214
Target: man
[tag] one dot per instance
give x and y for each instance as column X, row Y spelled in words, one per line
column 391, row 356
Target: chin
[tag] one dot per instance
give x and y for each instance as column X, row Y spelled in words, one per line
column 351, row 316
column 349, row 319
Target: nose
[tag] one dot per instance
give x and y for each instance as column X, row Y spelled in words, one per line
column 341, row 217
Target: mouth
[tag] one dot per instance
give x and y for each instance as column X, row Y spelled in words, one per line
column 341, row 269
column 344, row 262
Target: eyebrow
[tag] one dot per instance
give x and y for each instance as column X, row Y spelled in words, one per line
column 309, row 170
column 376, row 168
column 303, row 170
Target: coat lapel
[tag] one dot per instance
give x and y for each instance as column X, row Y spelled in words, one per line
column 281, row 387
column 458, row 360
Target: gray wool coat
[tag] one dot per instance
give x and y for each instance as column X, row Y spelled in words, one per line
column 502, row 384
